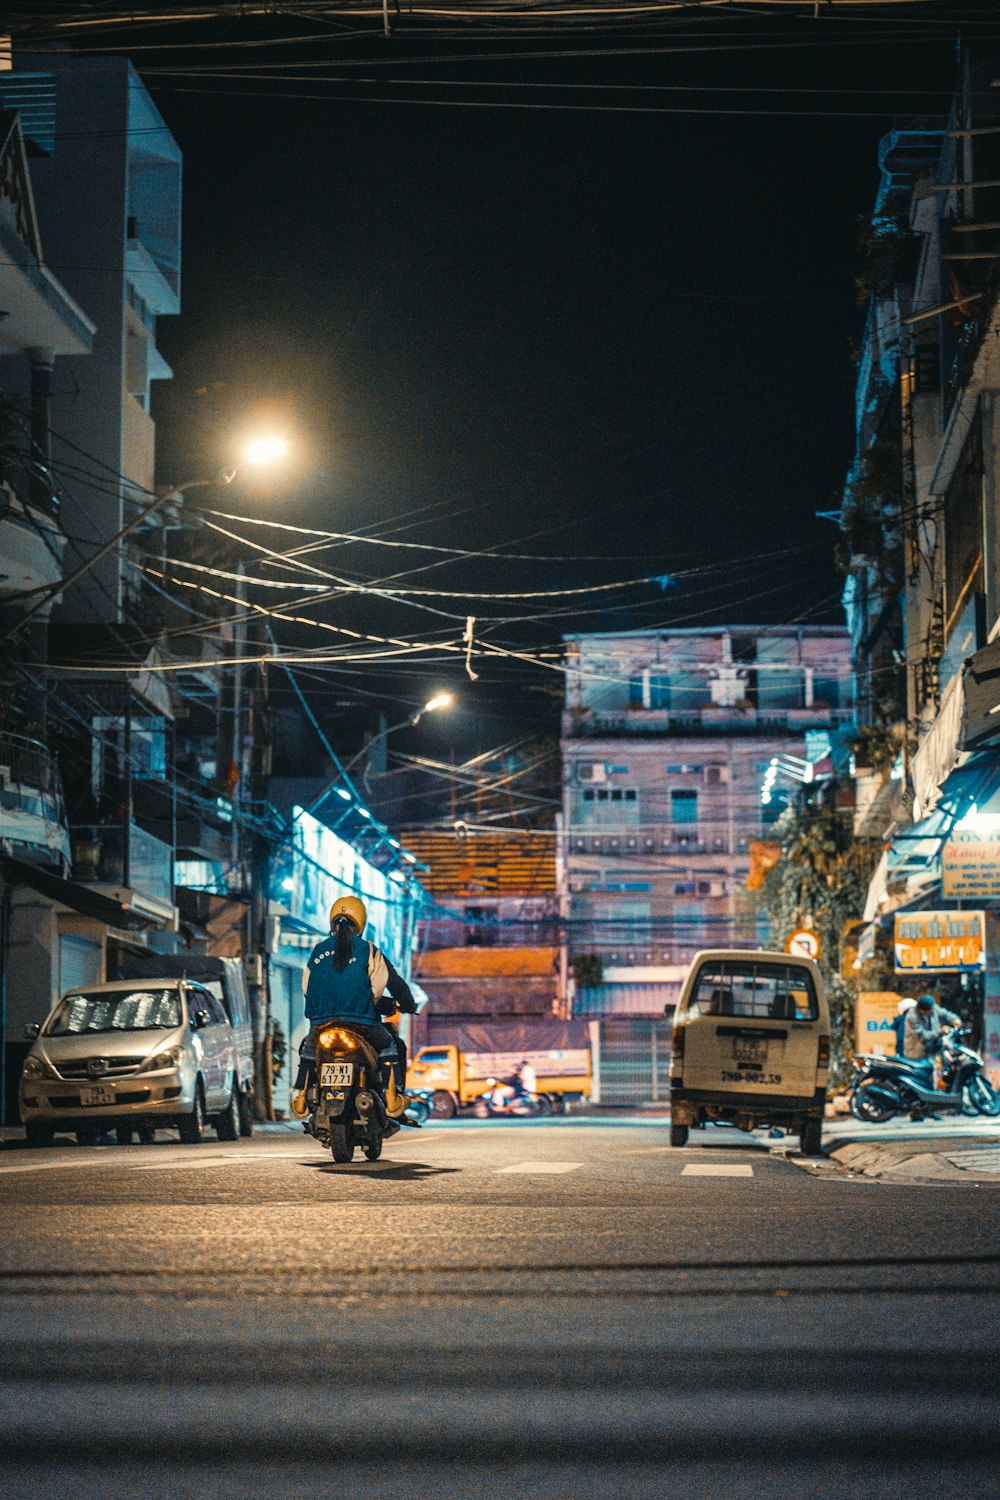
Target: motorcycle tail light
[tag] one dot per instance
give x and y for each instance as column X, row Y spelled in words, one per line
column 823, row 1056
column 335, row 1036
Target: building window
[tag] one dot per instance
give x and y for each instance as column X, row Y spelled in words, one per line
column 602, row 796
column 616, row 795
column 684, row 806
column 630, row 794
column 588, row 796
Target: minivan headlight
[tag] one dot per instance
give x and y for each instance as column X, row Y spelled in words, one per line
column 168, row 1058
column 34, row 1068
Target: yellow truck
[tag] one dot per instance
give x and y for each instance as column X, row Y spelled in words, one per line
column 456, row 1073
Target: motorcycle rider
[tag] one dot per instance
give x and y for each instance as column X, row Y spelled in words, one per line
column 342, row 981
column 899, row 1024
column 924, row 1026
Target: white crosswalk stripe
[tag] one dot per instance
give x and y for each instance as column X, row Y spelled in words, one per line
column 541, row 1167
column 717, row 1169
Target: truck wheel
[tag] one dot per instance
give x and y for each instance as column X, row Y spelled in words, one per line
column 245, row 1105
column 678, row 1135
column 39, row 1135
column 811, row 1137
column 443, row 1105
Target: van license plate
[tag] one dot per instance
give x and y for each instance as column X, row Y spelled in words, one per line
column 746, row 1051
column 97, row 1095
column 330, row 1074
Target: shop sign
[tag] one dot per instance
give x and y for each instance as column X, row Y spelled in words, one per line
column 970, row 865
column 940, row 942
column 875, row 1012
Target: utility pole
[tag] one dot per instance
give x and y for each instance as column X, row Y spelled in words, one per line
column 258, row 917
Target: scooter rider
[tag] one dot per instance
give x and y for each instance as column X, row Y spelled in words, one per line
column 923, row 1029
column 343, row 981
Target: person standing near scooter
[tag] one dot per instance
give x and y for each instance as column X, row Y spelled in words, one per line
column 923, row 1028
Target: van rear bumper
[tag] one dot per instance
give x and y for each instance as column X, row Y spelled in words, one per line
column 689, row 1106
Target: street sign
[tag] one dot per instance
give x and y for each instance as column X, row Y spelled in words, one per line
column 804, row 943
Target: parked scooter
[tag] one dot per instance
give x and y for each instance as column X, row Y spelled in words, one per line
column 887, row 1086
column 503, row 1099
column 419, row 1105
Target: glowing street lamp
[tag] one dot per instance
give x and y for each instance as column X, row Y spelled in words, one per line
column 439, row 701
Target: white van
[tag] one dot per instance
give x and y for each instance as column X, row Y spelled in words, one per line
column 751, row 1045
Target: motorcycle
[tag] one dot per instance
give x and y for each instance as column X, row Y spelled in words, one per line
column 419, row 1104
column 887, row 1086
column 345, row 1097
column 504, row 1100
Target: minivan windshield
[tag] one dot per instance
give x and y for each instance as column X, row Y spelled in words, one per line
column 764, row 991
column 119, row 1010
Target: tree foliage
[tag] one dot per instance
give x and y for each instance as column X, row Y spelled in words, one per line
column 821, row 882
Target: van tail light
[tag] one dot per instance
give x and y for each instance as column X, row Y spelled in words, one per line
column 677, row 1041
column 823, row 1059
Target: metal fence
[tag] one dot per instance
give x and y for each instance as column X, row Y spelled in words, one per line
column 634, row 1060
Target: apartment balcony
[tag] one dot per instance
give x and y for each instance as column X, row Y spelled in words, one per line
column 31, row 547
column 724, row 837
column 32, row 816
column 711, row 719
column 128, row 864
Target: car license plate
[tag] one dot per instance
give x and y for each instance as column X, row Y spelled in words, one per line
column 100, row 1094
column 332, row 1074
column 746, row 1051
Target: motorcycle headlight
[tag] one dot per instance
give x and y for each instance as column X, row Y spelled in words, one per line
column 34, row 1068
column 168, row 1058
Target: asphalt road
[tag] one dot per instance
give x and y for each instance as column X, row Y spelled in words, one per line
column 542, row 1308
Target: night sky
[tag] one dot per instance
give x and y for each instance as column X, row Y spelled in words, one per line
column 621, row 339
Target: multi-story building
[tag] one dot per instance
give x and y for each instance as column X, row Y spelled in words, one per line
column 106, row 174
column 490, row 948
column 680, row 749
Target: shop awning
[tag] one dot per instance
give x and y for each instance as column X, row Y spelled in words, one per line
column 79, row 898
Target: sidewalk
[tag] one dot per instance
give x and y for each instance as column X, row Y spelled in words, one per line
column 951, row 1150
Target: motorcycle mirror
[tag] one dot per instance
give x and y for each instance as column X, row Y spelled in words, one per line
column 32, row 1031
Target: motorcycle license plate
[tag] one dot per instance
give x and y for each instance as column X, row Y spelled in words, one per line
column 332, row 1074
column 99, row 1094
column 746, row 1051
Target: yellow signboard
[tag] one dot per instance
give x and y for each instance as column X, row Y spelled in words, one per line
column 970, row 865
column 875, row 1013
column 940, row 942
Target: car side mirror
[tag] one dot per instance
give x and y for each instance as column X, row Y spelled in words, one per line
column 32, row 1031
column 201, row 1018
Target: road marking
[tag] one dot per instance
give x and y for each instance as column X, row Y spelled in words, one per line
column 716, row 1169
column 540, row 1167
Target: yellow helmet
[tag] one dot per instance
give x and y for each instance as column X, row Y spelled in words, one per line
column 349, row 906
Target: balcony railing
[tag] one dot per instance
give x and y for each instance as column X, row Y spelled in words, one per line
column 99, row 858
column 32, row 817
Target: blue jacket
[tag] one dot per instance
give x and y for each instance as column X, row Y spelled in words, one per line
column 346, row 996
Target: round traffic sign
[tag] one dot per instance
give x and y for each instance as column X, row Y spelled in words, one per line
column 804, row 943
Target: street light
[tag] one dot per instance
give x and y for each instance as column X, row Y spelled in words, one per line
column 261, row 451
column 439, row 700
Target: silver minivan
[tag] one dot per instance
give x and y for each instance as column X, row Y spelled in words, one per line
column 134, row 1056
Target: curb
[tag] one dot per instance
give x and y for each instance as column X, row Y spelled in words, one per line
column 920, row 1159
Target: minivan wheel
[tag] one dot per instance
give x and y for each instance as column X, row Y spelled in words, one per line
column 244, row 1103
column 89, row 1135
column 147, row 1135
column 39, row 1135
column 124, row 1134
column 191, row 1127
column 811, row 1137
column 679, row 1135
column 227, row 1123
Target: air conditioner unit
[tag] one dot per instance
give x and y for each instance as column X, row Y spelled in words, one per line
column 590, row 772
column 576, row 886
column 718, row 775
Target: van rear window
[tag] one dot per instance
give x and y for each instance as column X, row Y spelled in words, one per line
column 764, row 991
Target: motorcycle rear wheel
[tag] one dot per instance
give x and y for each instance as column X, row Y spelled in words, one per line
column 984, row 1096
column 340, row 1145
